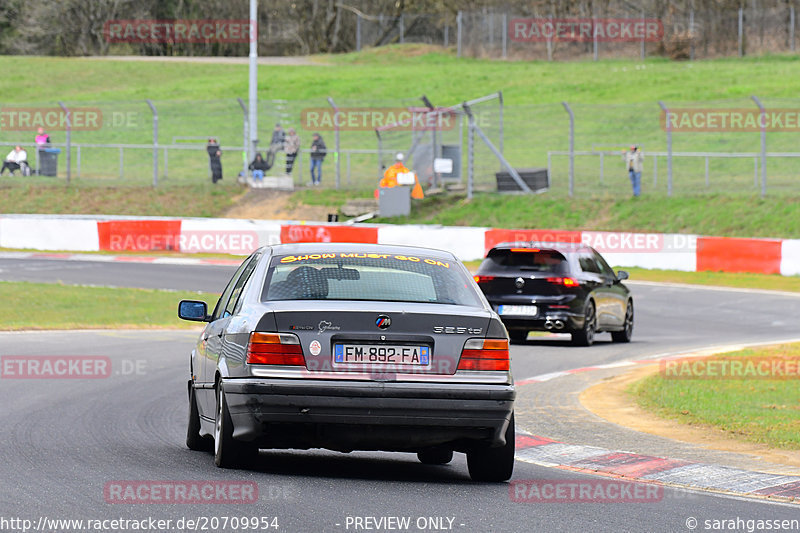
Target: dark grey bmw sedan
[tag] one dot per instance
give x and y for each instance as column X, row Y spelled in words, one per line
column 352, row 347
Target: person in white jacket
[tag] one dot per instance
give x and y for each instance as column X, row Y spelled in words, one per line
column 634, row 160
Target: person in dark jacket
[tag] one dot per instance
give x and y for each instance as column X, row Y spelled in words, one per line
column 214, row 161
column 318, row 152
column 258, row 166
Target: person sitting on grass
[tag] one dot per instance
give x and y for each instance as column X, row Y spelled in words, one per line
column 258, row 166
column 15, row 159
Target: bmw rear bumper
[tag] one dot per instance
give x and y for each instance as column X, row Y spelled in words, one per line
column 346, row 415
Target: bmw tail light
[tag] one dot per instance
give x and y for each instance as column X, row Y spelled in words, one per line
column 484, row 354
column 274, row 349
column 483, row 279
column 566, row 282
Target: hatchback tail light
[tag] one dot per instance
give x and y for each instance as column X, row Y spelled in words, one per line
column 484, row 354
column 566, row 282
column 274, row 349
column 483, row 279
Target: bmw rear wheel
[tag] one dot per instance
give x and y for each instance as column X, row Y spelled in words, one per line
column 228, row 452
column 494, row 464
column 193, row 439
column 435, row 456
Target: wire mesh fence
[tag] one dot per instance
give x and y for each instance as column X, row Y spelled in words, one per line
column 711, row 147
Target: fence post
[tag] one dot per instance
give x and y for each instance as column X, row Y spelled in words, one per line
column 245, row 162
column 691, row 35
column 500, row 97
column 446, row 38
column 643, row 26
column 549, row 42
column 791, row 28
column 505, row 35
column 459, row 28
column 669, row 146
column 336, row 123
column 69, row 140
column 763, row 117
column 741, row 32
column 571, row 148
column 166, row 162
column 402, row 30
column 358, row 32
column 594, row 36
column 470, row 154
column 155, row 142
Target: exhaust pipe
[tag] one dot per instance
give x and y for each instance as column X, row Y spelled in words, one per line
column 548, row 324
column 558, row 324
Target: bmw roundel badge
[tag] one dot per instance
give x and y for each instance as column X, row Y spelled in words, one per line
column 383, row 321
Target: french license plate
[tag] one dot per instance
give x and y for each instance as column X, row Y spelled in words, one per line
column 518, row 310
column 382, row 354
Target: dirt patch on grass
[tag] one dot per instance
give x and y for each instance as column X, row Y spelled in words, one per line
column 275, row 205
column 609, row 400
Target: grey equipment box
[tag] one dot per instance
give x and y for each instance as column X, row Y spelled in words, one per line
column 394, row 201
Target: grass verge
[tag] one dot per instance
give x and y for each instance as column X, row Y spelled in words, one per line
column 772, row 282
column 765, row 411
column 54, row 306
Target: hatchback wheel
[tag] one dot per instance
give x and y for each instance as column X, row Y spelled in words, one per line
column 585, row 335
column 627, row 332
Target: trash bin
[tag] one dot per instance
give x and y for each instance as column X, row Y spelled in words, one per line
column 48, row 161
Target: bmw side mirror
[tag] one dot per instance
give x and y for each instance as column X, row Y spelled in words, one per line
column 622, row 275
column 193, row 310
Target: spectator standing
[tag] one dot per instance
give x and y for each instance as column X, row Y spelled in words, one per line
column 258, row 166
column 42, row 139
column 275, row 144
column 635, row 162
column 214, row 161
column 318, row 153
column 291, row 146
column 16, row 159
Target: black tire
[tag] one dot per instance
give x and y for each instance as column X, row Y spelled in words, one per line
column 585, row 335
column 518, row 337
column 228, row 452
column 435, row 456
column 193, row 439
column 494, row 464
column 626, row 334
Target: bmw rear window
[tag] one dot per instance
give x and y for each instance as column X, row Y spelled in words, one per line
column 368, row 276
column 532, row 259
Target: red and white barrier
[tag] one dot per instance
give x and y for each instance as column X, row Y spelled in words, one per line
column 240, row 237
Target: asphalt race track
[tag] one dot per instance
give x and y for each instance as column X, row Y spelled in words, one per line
column 65, row 440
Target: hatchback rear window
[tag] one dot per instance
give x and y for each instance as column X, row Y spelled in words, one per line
column 368, row 276
column 533, row 260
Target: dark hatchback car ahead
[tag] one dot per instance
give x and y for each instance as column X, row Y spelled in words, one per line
column 559, row 287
